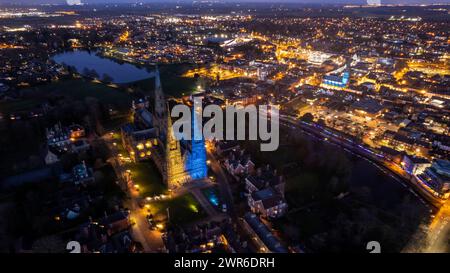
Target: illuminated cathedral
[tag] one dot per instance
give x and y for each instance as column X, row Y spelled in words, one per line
column 178, row 161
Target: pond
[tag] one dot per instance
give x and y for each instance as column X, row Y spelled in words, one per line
column 86, row 62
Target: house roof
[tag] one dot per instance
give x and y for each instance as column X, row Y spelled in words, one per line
column 368, row 105
column 264, row 180
column 269, row 197
column 264, row 233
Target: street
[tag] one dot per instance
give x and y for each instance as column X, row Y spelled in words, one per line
column 151, row 240
column 439, row 231
column 222, row 181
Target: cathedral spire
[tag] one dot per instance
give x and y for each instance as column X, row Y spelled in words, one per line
column 159, row 95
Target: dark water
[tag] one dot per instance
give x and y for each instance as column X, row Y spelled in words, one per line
column 120, row 73
column 385, row 190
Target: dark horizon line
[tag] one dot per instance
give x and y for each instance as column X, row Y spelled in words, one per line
column 174, row 2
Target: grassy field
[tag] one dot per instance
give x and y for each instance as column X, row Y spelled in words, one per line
column 79, row 89
column 16, row 106
column 144, row 173
column 182, row 209
column 147, row 176
column 76, row 89
column 116, row 122
column 174, row 85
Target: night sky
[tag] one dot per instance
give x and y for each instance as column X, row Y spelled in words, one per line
column 291, row 1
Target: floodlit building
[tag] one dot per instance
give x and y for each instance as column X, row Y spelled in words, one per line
column 415, row 165
column 151, row 136
column 336, row 81
column 437, row 177
column 65, row 139
column 267, row 203
column 139, row 136
column 368, row 108
column 266, row 193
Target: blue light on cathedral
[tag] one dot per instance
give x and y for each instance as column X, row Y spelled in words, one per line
column 196, row 161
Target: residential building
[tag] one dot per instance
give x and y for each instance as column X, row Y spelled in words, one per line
column 264, row 238
column 268, row 203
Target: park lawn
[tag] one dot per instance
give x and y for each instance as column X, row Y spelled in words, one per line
column 146, row 175
column 18, row 105
column 116, row 122
column 183, row 209
column 76, row 89
column 79, row 89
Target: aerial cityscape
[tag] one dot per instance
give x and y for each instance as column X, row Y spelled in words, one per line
column 316, row 127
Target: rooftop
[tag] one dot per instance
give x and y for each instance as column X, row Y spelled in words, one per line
column 264, row 233
column 368, row 105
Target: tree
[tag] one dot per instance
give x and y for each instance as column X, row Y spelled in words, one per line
column 321, row 122
column 107, row 78
column 308, row 117
column 68, row 160
column 99, row 176
column 90, row 73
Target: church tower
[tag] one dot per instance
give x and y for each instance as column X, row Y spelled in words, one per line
column 176, row 175
column 196, row 160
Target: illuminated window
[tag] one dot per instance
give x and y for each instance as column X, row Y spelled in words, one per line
column 142, row 154
column 140, row 146
column 148, row 144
